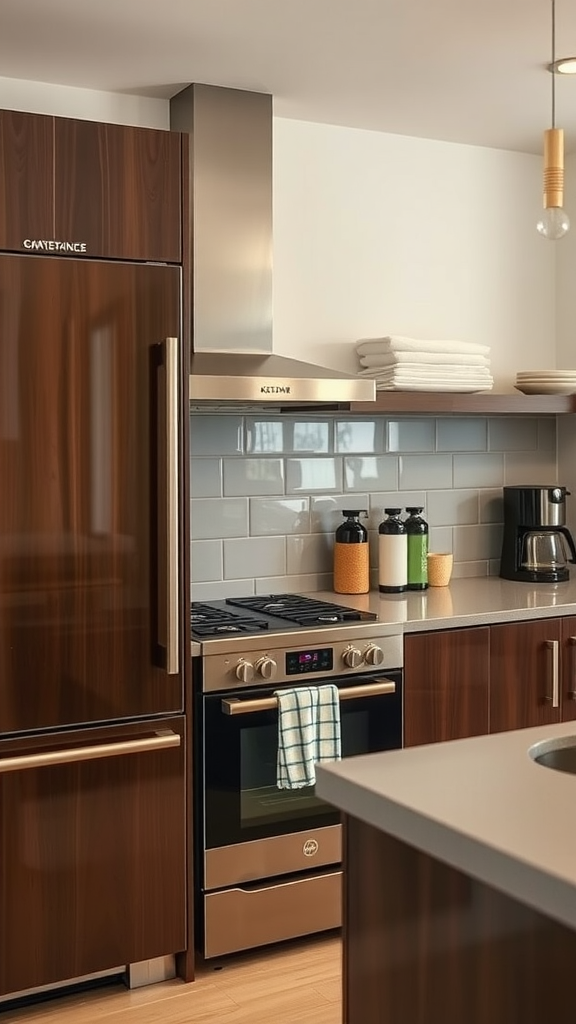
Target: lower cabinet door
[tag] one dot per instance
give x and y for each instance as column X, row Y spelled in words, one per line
column 92, row 855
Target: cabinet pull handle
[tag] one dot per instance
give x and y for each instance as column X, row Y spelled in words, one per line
column 572, row 691
column 173, row 453
column 553, row 645
column 235, row 706
column 160, row 741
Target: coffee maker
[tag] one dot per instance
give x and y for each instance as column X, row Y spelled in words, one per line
column 536, row 546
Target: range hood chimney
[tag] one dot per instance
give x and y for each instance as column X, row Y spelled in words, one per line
column 230, row 203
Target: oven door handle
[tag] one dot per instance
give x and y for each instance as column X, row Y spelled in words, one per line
column 235, row 706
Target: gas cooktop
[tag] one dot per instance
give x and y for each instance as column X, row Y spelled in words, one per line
column 249, row 616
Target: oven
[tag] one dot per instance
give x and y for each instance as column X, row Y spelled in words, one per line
column 268, row 860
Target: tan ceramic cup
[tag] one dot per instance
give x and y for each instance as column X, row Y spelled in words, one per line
column 440, row 568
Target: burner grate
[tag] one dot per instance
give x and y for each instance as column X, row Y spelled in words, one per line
column 206, row 621
column 303, row 611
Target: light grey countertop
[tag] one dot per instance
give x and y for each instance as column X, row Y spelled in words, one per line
column 472, row 601
column 482, row 805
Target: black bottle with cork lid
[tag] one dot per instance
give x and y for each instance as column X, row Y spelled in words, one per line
column 351, row 561
column 417, row 531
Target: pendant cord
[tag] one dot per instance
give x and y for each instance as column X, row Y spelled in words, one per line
column 553, row 61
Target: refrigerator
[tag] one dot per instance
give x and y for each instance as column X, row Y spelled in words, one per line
column 92, row 730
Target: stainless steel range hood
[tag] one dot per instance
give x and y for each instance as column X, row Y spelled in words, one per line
column 230, row 224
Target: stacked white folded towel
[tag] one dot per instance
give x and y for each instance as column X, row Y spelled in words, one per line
column 397, row 363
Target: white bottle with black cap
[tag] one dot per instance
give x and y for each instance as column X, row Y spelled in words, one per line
column 392, row 553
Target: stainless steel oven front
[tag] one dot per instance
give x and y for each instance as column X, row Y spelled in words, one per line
column 269, row 867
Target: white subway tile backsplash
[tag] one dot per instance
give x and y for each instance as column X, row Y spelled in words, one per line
column 425, row 472
column 206, row 561
column 547, row 435
column 219, row 591
column 472, row 543
column 536, row 467
column 452, row 507
column 216, row 435
column 206, row 478
column 312, row 553
column 411, row 435
column 267, row 494
column 362, row 436
column 370, row 472
column 255, row 556
column 282, row 435
column 253, row 476
column 459, row 434
column 304, row 584
column 218, row 517
column 313, row 475
column 478, row 470
column 282, row 516
column 491, row 506
column 512, row 433
column 440, row 538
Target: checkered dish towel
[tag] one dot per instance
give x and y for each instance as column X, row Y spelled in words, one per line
column 308, row 733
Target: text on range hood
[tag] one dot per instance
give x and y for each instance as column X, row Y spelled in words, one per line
column 230, row 202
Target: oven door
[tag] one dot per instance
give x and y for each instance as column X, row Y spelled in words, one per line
column 240, row 798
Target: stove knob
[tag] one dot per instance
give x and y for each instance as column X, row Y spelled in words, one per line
column 245, row 671
column 352, row 657
column 267, row 667
column 373, row 655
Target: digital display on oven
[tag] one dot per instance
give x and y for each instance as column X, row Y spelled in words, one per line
column 300, row 662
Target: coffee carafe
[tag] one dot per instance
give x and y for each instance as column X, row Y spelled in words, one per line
column 536, row 546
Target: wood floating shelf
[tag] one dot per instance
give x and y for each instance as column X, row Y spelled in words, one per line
column 442, row 403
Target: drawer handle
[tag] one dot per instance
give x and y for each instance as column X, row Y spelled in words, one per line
column 572, row 692
column 552, row 646
column 160, row 741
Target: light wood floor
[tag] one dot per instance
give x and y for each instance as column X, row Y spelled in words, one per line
column 292, row 983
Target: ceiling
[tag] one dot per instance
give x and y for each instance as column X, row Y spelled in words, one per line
column 471, row 71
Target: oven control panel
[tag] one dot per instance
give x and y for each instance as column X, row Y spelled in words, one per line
column 285, row 663
column 302, row 662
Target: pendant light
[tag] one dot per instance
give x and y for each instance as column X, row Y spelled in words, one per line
column 554, row 222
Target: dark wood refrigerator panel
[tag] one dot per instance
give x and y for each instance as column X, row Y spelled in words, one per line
column 93, row 852
column 26, row 178
column 83, row 536
column 118, row 189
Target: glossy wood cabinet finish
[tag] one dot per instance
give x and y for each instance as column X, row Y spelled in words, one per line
column 446, row 684
column 26, row 178
column 118, row 189
column 93, row 856
column 568, row 668
column 521, row 674
column 424, row 943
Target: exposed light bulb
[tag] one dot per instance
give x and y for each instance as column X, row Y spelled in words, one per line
column 554, row 223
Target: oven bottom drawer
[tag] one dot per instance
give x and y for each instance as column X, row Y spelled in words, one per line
column 242, row 918
column 288, row 854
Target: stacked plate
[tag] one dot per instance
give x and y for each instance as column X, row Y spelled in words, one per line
column 546, row 382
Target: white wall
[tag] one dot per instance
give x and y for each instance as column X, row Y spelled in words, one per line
column 377, row 234
column 63, row 101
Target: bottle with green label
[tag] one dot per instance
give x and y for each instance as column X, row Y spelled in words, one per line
column 417, row 534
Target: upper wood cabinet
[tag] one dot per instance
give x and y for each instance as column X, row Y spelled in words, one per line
column 118, row 189
column 26, row 178
column 446, row 680
column 113, row 191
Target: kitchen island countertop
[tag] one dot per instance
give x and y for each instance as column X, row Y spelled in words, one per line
column 481, row 805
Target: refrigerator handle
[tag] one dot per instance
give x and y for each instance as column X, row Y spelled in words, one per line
column 172, row 521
